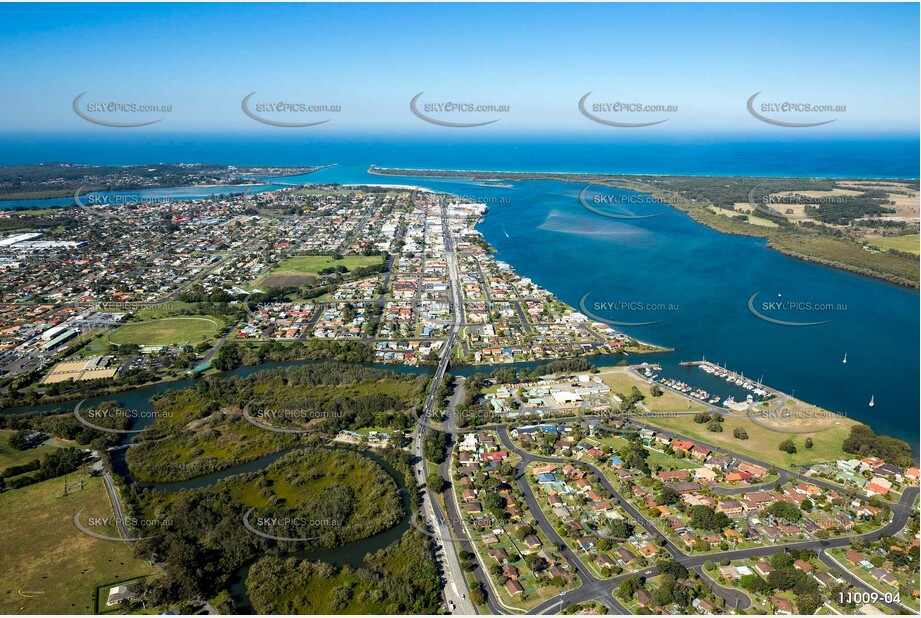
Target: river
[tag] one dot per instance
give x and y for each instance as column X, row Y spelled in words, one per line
column 699, row 283
column 352, row 553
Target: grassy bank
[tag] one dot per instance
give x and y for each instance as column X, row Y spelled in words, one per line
column 10, row 457
column 762, row 443
column 50, row 567
column 619, row 380
column 907, row 243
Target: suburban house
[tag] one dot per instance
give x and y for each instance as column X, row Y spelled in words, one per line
column 764, row 568
column 782, row 606
column 513, row 587
column 756, row 471
column 732, row 508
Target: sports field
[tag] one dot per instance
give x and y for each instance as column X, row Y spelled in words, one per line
column 302, row 269
column 165, row 331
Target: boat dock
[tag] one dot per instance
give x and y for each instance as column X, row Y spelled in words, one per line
column 755, row 386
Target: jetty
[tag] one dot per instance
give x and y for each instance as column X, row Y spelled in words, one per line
column 755, row 386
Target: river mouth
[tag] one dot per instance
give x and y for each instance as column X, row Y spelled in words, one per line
column 676, row 260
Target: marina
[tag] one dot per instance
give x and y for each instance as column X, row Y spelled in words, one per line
column 756, row 390
column 755, row 387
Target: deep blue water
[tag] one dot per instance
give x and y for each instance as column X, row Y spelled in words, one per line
column 543, row 231
column 793, row 154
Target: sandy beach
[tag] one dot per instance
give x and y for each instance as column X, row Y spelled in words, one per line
column 406, row 187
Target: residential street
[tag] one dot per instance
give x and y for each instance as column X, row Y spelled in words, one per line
column 593, row 588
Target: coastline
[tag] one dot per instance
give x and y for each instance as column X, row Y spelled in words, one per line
column 500, row 175
column 839, row 253
column 655, row 349
column 606, row 357
column 244, row 181
column 385, row 186
column 782, row 241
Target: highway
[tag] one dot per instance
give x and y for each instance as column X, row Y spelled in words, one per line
column 456, row 592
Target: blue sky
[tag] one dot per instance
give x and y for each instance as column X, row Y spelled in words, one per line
column 539, row 59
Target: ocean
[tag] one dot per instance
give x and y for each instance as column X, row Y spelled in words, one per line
column 796, row 154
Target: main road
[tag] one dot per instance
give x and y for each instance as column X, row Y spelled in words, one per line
column 456, row 592
column 592, row 588
column 456, row 589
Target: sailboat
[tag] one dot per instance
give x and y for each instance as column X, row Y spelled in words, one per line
column 872, row 403
column 845, row 358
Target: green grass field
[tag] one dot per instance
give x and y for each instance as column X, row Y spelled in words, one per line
column 762, row 442
column 619, row 381
column 167, row 309
column 908, row 243
column 11, row 457
column 166, row 331
column 667, row 462
column 302, row 268
column 97, row 343
column 367, row 430
column 826, row 430
column 50, row 567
